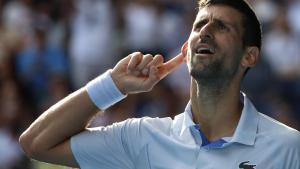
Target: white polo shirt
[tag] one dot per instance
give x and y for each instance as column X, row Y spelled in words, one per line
column 259, row 142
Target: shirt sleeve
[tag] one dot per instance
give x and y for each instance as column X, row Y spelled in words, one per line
column 291, row 150
column 111, row 147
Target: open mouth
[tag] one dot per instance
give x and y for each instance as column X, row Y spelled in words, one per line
column 202, row 50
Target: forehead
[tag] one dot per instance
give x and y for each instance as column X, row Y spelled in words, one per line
column 220, row 12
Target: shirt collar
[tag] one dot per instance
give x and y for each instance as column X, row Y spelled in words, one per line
column 245, row 132
column 187, row 118
column 181, row 125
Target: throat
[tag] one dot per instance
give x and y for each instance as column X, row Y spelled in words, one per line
column 217, row 112
column 216, row 125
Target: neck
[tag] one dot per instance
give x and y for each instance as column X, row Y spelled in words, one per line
column 216, row 108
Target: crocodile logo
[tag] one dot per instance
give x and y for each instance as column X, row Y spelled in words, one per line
column 245, row 165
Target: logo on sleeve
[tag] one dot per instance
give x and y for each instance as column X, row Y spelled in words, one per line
column 245, row 165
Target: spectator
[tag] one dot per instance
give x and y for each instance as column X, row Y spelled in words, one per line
column 91, row 48
column 42, row 67
column 141, row 21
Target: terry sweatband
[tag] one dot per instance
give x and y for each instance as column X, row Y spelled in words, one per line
column 103, row 91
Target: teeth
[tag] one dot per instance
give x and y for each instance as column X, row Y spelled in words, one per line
column 204, row 51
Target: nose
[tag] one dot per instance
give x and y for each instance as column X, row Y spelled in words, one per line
column 206, row 32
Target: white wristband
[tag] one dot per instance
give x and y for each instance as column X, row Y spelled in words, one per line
column 103, row 91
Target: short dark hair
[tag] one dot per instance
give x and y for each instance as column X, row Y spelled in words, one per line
column 252, row 28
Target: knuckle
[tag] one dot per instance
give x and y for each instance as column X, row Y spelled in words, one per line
column 157, row 59
column 140, row 54
column 145, row 61
column 136, row 55
column 161, row 58
column 148, row 57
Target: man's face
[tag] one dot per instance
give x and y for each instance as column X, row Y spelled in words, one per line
column 215, row 43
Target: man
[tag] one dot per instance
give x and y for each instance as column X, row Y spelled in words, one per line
column 220, row 127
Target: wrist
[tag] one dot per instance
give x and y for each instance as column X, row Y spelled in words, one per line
column 117, row 82
column 103, row 91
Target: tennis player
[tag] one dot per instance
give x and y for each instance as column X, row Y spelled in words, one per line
column 220, row 127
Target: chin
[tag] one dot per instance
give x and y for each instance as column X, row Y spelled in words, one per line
column 198, row 74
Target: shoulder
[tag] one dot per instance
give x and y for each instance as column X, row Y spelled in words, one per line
column 134, row 127
column 278, row 137
column 146, row 124
column 275, row 130
column 136, row 133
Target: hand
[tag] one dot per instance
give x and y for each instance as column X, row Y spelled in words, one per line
column 139, row 73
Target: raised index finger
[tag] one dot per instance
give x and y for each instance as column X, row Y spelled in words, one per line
column 170, row 65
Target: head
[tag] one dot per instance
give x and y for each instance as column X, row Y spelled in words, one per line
column 224, row 42
column 252, row 29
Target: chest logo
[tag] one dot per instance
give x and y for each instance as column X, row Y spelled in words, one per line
column 245, row 165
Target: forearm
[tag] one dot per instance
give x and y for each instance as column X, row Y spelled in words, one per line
column 64, row 119
column 47, row 139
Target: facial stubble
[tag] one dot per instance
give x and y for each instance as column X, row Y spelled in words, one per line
column 214, row 75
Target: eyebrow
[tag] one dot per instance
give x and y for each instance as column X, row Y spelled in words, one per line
column 206, row 18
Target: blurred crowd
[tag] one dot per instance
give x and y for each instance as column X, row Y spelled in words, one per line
column 49, row 48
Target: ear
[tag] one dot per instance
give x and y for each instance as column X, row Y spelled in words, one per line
column 184, row 49
column 251, row 57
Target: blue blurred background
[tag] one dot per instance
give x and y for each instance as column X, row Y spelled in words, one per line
column 49, row 48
